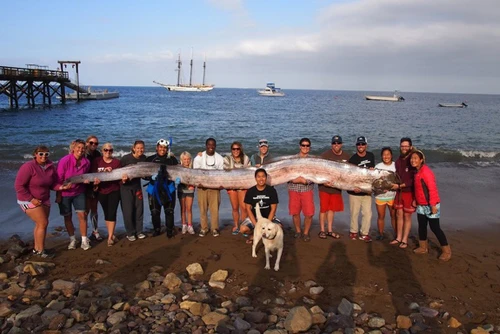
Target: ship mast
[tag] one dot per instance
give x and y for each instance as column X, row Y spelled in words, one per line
column 179, row 63
column 191, row 69
column 204, row 66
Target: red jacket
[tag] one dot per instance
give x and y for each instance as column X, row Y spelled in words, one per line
column 426, row 174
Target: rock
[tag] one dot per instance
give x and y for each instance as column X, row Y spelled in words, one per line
column 3, row 276
column 78, row 316
column 308, row 300
column 67, row 288
column 376, row 322
column 29, row 312
column 219, row 276
column 414, row 306
column 454, row 323
column 214, row 318
column 318, row 319
column 116, row 318
column 5, row 310
column 479, row 330
column 218, row 285
column 243, row 301
column 316, row 290
column 345, row 307
column 309, row 284
column 195, row 270
column 241, row 324
column 101, row 261
column 196, row 308
column 100, row 327
column 276, row 331
column 256, row 317
column 30, row 269
column 298, row 319
column 403, row 322
column 14, row 289
column 168, row 299
column 47, row 316
column 144, row 285
column 279, row 301
column 316, row 310
column 429, row 312
column 57, row 322
column 172, row 282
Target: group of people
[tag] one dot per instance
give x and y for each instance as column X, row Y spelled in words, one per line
column 417, row 191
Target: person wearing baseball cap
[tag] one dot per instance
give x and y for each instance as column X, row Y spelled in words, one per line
column 257, row 159
column 330, row 199
column 359, row 201
column 163, row 157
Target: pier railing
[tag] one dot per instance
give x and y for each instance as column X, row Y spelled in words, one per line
column 17, row 73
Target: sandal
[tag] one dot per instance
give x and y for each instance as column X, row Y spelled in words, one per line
column 297, row 235
column 249, row 241
column 403, row 245
column 307, row 237
column 333, row 235
column 395, row 242
column 246, row 235
column 322, row 235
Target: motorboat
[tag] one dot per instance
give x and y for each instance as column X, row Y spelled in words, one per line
column 180, row 87
column 395, row 98
column 271, row 90
column 93, row 94
column 453, row 105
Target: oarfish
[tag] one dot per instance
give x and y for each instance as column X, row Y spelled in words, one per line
column 331, row 173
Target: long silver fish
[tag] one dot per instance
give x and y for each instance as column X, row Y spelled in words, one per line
column 334, row 174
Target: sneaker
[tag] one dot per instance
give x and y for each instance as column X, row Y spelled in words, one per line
column 131, row 238
column 156, row 232
column 365, row 238
column 72, row 244
column 43, row 254
column 202, row 233
column 184, row 228
column 170, row 234
column 141, row 236
column 86, row 244
column 96, row 235
column 353, row 236
column 215, row 233
column 190, row 229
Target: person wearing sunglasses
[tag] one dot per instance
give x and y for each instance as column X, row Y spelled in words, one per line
column 403, row 202
column 108, row 193
column 258, row 158
column 209, row 199
column 237, row 159
column 165, row 199
column 91, row 152
column 132, row 201
column 301, row 196
column 75, row 163
column 33, row 183
column 359, row 201
column 330, row 199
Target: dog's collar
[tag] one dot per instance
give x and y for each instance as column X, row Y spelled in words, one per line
column 270, row 238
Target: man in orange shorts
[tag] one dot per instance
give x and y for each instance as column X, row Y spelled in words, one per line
column 330, row 199
column 301, row 196
column 403, row 202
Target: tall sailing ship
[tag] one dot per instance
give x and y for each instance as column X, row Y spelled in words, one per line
column 180, row 87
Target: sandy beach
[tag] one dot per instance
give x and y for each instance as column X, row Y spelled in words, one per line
column 381, row 277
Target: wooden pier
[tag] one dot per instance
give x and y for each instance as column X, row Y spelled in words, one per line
column 32, row 82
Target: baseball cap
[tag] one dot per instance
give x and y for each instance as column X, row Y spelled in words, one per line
column 361, row 139
column 336, row 139
column 263, row 142
column 163, row 142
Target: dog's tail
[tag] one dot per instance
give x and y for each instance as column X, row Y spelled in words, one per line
column 257, row 211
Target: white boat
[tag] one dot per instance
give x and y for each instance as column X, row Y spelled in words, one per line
column 271, row 90
column 180, row 87
column 395, row 98
column 453, row 105
column 93, row 94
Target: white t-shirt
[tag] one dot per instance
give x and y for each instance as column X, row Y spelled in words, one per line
column 387, row 196
column 206, row 161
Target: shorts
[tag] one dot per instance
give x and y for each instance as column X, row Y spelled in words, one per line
column 184, row 195
column 248, row 223
column 426, row 211
column 388, row 202
column 25, row 206
column 109, row 203
column 330, row 202
column 403, row 201
column 78, row 202
column 298, row 202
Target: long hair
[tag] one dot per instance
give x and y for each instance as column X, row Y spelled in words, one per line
column 188, row 155
column 242, row 153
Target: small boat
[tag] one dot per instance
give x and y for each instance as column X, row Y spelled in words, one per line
column 93, row 94
column 180, row 87
column 271, row 90
column 453, row 105
column 395, row 98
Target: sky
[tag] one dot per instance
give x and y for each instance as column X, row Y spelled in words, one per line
column 366, row 45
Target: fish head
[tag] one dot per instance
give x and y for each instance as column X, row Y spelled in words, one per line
column 385, row 182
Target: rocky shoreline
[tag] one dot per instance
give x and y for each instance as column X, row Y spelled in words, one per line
column 168, row 302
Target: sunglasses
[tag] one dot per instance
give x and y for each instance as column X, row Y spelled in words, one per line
column 110, row 150
column 361, row 144
column 236, row 148
column 305, row 145
column 43, row 154
column 93, row 143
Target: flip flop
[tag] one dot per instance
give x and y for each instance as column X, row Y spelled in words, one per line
column 403, row 245
column 395, row 242
column 333, row 235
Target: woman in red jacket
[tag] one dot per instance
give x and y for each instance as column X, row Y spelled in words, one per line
column 428, row 206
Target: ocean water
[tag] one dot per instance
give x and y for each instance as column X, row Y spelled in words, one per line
column 465, row 140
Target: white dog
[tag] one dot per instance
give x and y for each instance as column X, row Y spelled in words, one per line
column 272, row 238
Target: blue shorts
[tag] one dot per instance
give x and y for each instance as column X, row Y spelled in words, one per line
column 78, row 202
